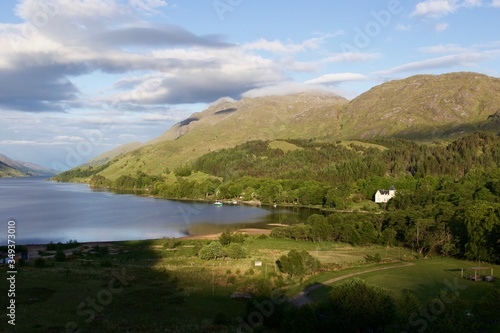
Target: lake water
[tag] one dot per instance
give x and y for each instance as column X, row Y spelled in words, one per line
column 46, row 211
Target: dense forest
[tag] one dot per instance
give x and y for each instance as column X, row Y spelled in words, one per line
column 447, row 202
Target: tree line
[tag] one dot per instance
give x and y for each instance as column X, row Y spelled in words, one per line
column 447, row 201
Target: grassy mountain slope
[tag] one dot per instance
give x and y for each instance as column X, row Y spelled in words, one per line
column 109, row 155
column 8, row 172
column 12, row 168
column 228, row 123
column 424, row 107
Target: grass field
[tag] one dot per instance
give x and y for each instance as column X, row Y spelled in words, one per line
column 146, row 286
column 427, row 277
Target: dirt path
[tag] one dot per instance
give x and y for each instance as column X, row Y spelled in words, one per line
column 301, row 298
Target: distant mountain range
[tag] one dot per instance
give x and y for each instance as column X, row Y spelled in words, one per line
column 13, row 168
column 422, row 107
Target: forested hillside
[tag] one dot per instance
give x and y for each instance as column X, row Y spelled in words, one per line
column 447, row 201
column 422, row 107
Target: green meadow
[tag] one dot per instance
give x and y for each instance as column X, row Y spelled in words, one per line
column 162, row 286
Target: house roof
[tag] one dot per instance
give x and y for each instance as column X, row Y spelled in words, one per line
column 383, row 192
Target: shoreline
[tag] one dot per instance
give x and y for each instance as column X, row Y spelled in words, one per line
column 34, row 249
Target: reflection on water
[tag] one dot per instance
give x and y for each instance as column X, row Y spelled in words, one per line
column 47, row 211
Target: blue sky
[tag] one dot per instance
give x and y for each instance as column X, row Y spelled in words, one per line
column 80, row 77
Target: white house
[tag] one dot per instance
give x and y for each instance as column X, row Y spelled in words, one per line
column 382, row 196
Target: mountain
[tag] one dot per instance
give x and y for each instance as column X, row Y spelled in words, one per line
column 13, row 168
column 422, row 107
column 425, row 107
column 227, row 123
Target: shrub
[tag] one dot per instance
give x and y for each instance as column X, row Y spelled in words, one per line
column 220, row 319
column 225, row 238
column 373, row 258
column 106, row 263
column 213, row 250
column 298, row 263
column 236, row 251
column 39, row 262
column 60, row 256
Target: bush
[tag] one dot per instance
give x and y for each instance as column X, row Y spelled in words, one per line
column 221, row 319
column 225, row 238
column 171, row 243
column 213, row 250
column 361, row 307
column 298, row 263
column 106, row 263
column 100, row 250
column 39, row 262
column 373, row 258
column 60, row 256
column 183, row 171
column 236, row 251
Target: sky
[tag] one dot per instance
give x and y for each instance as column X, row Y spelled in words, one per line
column 81, row 77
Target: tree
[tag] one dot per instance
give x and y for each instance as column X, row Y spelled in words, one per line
column 213, row 250
column 60, row 256
column 298, row 263
column 321, row 229
column 483, row 228
column 236, row 251
column 361, row 307
column 407, row 304
column 225, row 237
column 486, row 311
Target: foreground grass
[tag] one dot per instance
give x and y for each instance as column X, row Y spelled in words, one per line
column 427, row 277
column 153, row 285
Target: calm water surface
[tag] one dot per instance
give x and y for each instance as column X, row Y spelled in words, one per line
column 46, row 211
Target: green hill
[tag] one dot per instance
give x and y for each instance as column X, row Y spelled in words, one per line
column 109, row 155
column 227, row 123
column 422, row 107
column 11, row 168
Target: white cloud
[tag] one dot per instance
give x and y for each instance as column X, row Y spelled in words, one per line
column 435, row 8
column 495, row 3
column 472, row 3
column 337, row 78
column 277, row 46
column 165, row 117
column 446, row 48
column 149, row 6
column 286, row 88
column 67, row 138
column 352, row 57
column 441, row 27
column 92, row 36
column 467, row 59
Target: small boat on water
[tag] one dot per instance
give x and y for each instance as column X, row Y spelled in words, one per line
column 218, row 203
